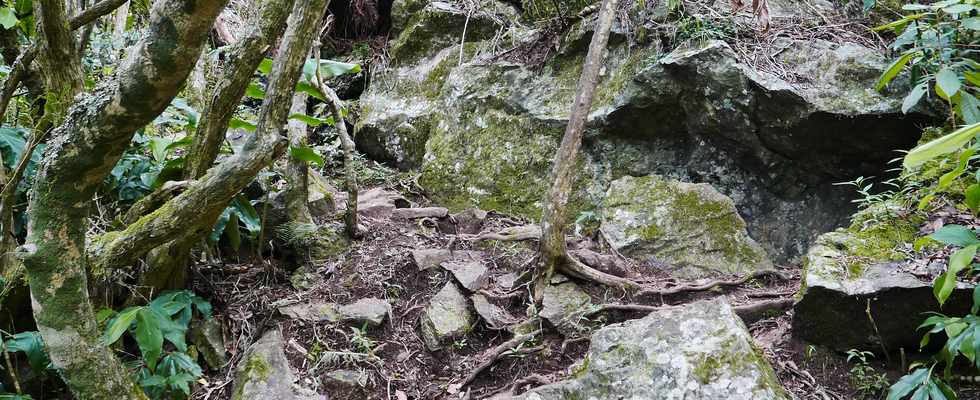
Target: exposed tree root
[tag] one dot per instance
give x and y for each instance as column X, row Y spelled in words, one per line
column 512, row 234
column 711, row 284
column 491, row 356
column 578, row 269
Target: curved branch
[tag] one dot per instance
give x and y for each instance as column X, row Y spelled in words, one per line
column 194, row 211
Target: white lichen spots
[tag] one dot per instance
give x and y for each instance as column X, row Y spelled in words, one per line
column 62, row 345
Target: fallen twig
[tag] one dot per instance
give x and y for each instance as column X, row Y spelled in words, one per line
column 495, row 353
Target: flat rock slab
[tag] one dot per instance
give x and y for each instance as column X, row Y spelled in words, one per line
column 838, row 291
column 689, row 229
column 473, row 275
column 375, row 203
column 369, row 311
column 264, row 373
column 467, row 222
column 698, row 351
column 495, row 316
column 431, row 258
column 422, row 212
column 448, row 317
column 564, row 305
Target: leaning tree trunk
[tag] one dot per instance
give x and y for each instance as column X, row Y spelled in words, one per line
column 552, row 253
column 84, row 148
column 336, row 108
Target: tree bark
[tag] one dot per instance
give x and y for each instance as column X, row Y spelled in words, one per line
column 83, row 149
column 194, row 211
column 298, row 171
column 60, row 65
column 350, row 176
column 552, row 251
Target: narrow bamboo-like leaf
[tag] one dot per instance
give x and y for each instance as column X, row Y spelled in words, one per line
column 238, row 123
column 118, row 325
column 957, row 235
column 914, row 96
column 892, row 71
column 943, row 145
column 149, row 336
column 306, row 154
column 946, row 282
column 972, row 195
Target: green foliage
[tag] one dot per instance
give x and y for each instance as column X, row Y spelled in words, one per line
column 240, row 214
column 936, row 47
column 868, row 383
column 31, row 344
column 921, row 385
column 164, row 321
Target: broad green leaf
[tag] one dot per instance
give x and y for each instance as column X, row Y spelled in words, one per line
column 973, row 198
column 233, row 234
column 149, row 336
column 8, row 18
column 118, row 325
column 956, row 235
column 868, row 5
column 946, row 282
column 31, row 344
column 328, row 69
column 968, row 107
column 255, row 91
column 311, row 90
column 964, row 161
column 306, row 154
column 958, row 9
column 247, row 215
column 971, row 23
column 907, row 384
column 307, row 119
column 265, row 67
column 238, row 123
column 219, row 226
column 898, row 25
column 947, row 83
column 892, row 71
column 976, row 300
column 12, row 144
column 914, row 96
column 943, row 145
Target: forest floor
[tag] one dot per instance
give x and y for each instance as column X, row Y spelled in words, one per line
column 397, row 364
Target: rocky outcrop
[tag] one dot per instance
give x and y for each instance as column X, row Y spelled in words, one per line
column 368, row 312
column 264, row 373
column 448, row 317
column 690, row 230
column 699, row 351
column 483, row 133
column 565, row 306
column 858, row 302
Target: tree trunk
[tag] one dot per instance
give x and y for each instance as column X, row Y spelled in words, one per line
column 84, row 148
column 552, row 251
column 336, row 108
column 297, row 171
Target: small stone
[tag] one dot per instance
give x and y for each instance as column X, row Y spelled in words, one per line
column 370, row 311
column 495, row 316
column 565, row 305
column 431, row 258
column 507, row 281
column 347, row 379
column 315, row 311
column 447, row 317
column 264, row 373
column 206, row 336
column 473, row 275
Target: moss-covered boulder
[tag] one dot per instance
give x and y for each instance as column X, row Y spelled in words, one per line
column 447, row 318
column 699, row 351
column 264, row 373
column 691, row 230
column 483, row 132
column 854, row 297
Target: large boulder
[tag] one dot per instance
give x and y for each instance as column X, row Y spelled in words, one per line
column 691, row 230
column 484, row 132
column 264, row 373
column 853, row 298
column 699, row 351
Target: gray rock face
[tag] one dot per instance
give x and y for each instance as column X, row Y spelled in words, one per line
column 690, row 229
column 206, row 336
column 484, row 133
column 495, row 316
column 840, row 287
column 472, row 275
column 432, row 258
column 369, row 311
column 699, row 351
column 448, row 317
column 264, row 373
column 564, row 305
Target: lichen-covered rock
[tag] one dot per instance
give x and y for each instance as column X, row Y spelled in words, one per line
column 210, row 342
column 565, row 306
column 698, row 351
column 472, row 275
column 448, row 317
column 840, row 288
column 367, row 311
column 495, row 316
column 347, row 384
column 431, row 258
column 264, row 373
column 484, row 133
column 691, row 230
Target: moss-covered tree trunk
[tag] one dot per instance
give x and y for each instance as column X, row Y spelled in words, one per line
column 83, row 149
column 552, row 252
column 297, row 170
